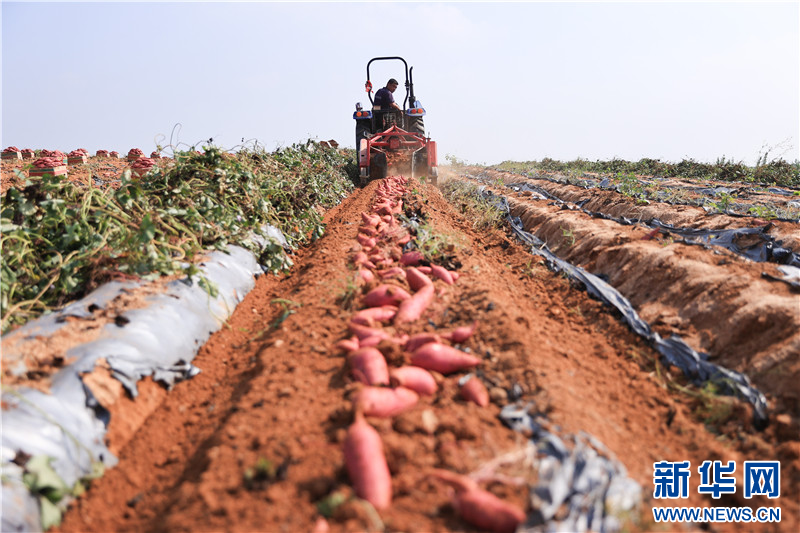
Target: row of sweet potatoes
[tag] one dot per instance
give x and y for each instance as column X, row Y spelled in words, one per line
column 385, row 271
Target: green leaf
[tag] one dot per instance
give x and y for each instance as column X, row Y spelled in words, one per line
column 7, row 226
column 147, row 230
column 40, row 478
column 328, row 505
column 50, row 513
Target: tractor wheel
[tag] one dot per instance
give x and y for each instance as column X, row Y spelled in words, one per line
column 377, row 166
column 419, row 165
column 417, row 125
column 362, row 132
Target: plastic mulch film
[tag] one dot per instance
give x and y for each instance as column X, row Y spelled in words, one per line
column 65, row 428
column 606, row 183
column 753, row 243
column 791, row 275
column 766, row 249
column 673, row 350
column 580, row 487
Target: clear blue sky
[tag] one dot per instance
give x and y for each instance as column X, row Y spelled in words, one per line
column 500, row 81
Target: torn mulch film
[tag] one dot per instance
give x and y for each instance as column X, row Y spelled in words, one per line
column 53, row 442
column 581, row 486
column 753, row 243
column 673, row 350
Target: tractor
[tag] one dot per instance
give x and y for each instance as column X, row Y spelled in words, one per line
column 389, row 141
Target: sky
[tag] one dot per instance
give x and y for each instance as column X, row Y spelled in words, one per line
column 499, row 81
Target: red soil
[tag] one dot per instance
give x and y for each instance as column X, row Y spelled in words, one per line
column 280, row 391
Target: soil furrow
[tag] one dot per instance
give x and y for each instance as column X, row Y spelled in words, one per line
column 253, row 443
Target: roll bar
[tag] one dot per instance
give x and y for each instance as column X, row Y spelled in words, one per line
column 409, row 80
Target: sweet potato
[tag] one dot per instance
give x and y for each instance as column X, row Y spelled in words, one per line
column 360, row 259
column 375, row 340
column 348, row 345
column 415, row 341
column 415, row 378
column 371, row 342
column 385, row 295
column 442, row 358
column 442, row 273
column 473, row 390
column 366, row 242
column 384, row 402
column 461, row 334
column 369, row 366
column 384, row 208
column 411, row 258
column 384, row 263
column 376, row 255
column 411, row 309
column 370, row 315
column 394, row 272
column 416, row 279
column 370, row 220
column 424, row 269
column 362, row 332
column 366, row 463
column 366, row 275
column 479, row 507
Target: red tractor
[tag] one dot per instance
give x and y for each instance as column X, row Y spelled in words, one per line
column 390, row 141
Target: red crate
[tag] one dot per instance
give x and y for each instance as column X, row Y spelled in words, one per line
column 55, row 171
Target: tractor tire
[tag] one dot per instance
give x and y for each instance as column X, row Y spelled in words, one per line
column 377, row 166
column 419, row 165
column 363, row 131
column 417, row 125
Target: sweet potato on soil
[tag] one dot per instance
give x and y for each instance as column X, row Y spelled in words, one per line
column 370, row 220
column 411, row 309
column 366, row 464
column 411, row 258
column 479, row 507
column 360, row 259
column 384, row 208
column 363, row 332
column 369, row 366
column 366, row 275
column 385, row 295
column 375, row 340
column 416, row 279
column 415, row 341
column 394, row 272
column 371, row 315
column 461, row 334
column 442, row 273
column 366, row 242
column 443, row 359
column 348, row 345
column 415, row 378
column 473, row 390
column 384, row 402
